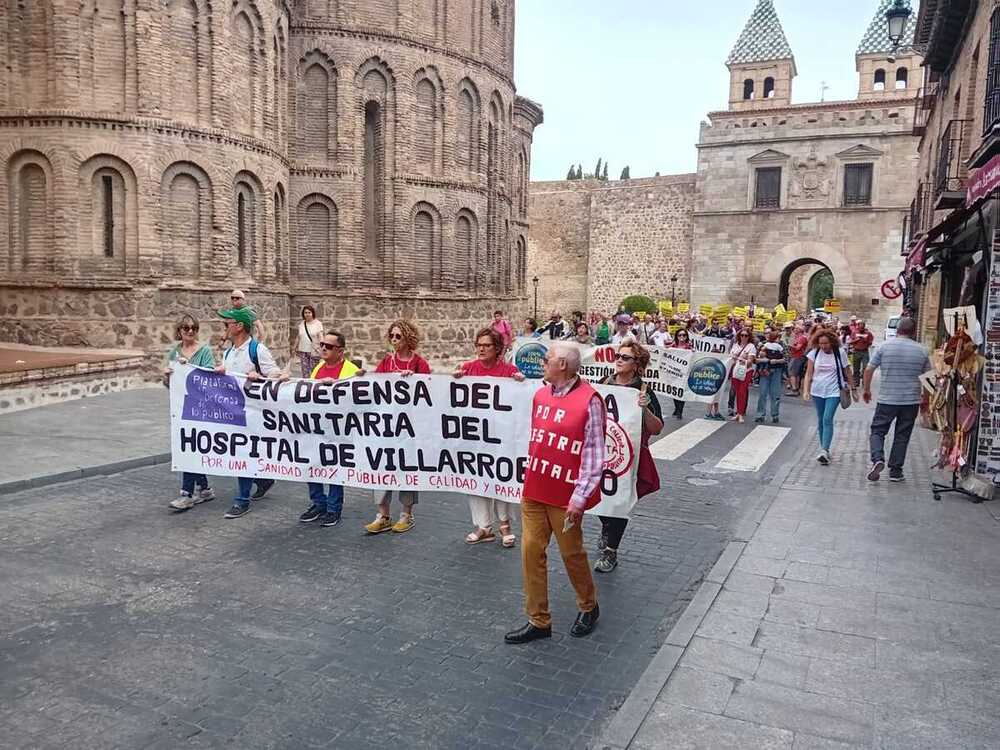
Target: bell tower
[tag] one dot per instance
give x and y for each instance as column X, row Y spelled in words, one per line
column 761, row 65
column 884, row 72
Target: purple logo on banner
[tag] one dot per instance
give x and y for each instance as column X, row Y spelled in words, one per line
column 213, row 397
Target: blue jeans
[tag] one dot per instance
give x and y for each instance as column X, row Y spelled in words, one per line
column 245, row 488
column 189, row 480
column 826, row 409
column 770, row 387
column 332, row 502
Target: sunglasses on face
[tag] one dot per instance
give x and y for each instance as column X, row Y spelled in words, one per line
column 235, row 299
column 624, row 358
column 395, row 337
column 189, row 329
column 324, row 345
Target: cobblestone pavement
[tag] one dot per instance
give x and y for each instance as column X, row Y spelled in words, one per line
column 126, row 626
column 858, row 614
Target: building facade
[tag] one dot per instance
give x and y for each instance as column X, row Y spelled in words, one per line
column 369, row 158
column 783, row 191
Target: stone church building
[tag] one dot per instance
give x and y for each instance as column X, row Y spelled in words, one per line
column 783, row 191
column 369, row 157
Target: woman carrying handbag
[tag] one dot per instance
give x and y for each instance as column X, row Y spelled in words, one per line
column 741, row 372
column 828, row 383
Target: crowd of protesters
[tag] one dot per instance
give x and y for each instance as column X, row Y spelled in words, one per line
column 817, row 358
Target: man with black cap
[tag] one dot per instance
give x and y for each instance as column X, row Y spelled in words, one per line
column 249, row 357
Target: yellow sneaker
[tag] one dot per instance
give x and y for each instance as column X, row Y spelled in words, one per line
column 405, row 523
column 380, row 524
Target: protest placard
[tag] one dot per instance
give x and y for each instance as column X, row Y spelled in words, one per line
column 684, row 307
column 382, row 432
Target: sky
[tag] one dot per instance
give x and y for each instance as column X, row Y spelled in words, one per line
column 630, row 81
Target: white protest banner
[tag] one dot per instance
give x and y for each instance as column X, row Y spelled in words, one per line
column 382, row 432
column 697, row 374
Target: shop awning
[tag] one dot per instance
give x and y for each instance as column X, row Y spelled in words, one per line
column 915, row 258
column 982, row 184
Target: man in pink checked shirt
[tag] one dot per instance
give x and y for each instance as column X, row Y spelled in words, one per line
column 562, row 480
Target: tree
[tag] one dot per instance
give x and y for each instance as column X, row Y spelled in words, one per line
column 625, row 174
column 571, row 175
column 638, row 303
column 597, row 170
column 579, row 171
column 604, row 174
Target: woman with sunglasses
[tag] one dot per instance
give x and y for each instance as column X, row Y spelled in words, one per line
column 488, row 364
column 682, row 340
column 310, row 336
column 744, row 355
column 403, row 337
column 631, row 361
column 190, row 351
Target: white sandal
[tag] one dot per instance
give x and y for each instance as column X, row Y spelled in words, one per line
column 506, row 538
column 480, row 535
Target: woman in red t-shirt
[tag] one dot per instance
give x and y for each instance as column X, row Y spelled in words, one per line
column 488, row 364
column 404, row 337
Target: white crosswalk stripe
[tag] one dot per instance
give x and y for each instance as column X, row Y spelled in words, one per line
column 679, row 442
column 754, row 450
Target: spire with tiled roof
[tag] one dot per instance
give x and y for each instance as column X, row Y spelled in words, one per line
column 876, row 39
column 762, row 39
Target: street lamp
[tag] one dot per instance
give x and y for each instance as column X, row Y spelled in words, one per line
column 535, row 282
column 896, row 17
column 673, row 290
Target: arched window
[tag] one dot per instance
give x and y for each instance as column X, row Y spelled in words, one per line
column 102, row 54
column 317, row 108
column 245, row 73
column 426, row 270
column 107, row 215
column 522, row 264
column 467, row 135
column 30, row 227
column 375, row 92
column 426, row 136
column 28, row 53
column 246, row 230
column 879, row 80
column 466, row 240
column 280, row 230
column 748, row 89
column 186, row 221
column 901, row 76
column 182, row 55
column 315, row 260
column 769, row 88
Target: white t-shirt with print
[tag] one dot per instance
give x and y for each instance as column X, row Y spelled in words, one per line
column 825, row 383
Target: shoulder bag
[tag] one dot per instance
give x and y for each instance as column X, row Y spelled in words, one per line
column 845, row 392
column 739, row 366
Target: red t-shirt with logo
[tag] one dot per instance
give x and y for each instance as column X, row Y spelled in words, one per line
column 798, row 347
column 392, row 363
column 325, row 371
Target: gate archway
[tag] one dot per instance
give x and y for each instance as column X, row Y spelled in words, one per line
column 802, row 280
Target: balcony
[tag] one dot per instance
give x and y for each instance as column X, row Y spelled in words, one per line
column 990, row 144
column 921, row 214
column 951, row 172
column 924, row 106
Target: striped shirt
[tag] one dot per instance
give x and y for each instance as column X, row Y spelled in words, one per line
column 592, row 453
column 902, row 360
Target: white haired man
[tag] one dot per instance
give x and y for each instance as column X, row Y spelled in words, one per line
column 562, row 480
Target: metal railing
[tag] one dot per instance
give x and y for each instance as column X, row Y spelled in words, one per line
column 991, row 101
column 951, row 172
column 924, row 106
column 921, row 212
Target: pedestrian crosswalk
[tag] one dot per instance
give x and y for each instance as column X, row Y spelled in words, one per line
column 749, row 455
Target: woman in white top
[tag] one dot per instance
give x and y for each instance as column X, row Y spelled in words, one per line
column 310, row 336
column 827, row 370
column 744, row 354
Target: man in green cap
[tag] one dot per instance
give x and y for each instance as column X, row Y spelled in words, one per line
column 249, row 357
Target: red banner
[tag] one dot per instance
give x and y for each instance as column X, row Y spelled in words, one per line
column 984, row 182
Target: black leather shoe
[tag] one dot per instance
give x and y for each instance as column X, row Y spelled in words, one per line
column 527, row 634
column 263, row 485
column 585, row 623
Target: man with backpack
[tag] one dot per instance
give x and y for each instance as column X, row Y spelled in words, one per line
column 249, row 357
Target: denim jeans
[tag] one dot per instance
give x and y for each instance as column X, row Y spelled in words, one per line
column 905, row 417
column 332, row 501
column 189, row 480
column 770, row 387
column 245, row 485
column 826, row 409
column 859, row 361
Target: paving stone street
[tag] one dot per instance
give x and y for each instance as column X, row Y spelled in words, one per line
column 127, row 626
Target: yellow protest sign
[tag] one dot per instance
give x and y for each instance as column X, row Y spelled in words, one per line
column 759, row 325
column 792, row 315
column 722, row 310
column 673, row 329
column 779, row 309
column 684, row 307
column 832, row 306
column 705, row 310
column 740, row 312
column 640, row 314
column 666, row 307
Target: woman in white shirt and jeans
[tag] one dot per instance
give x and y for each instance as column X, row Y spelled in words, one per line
column 827, row 369
column 310, row 335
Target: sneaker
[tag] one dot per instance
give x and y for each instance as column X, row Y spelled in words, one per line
column 774, row 420
column 732, row 412
column 759, row 420
column 607, row 562
column 329, row 519
column 237, row 510
column 875, row 471
column 312, row 514
column 263, row 485
column 404, row 524
column 184, row 502
column 380, row 524
column 896, row 475
column 205, row 494
column 824, row 458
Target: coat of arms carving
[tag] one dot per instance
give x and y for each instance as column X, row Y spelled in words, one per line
column 810, row 178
